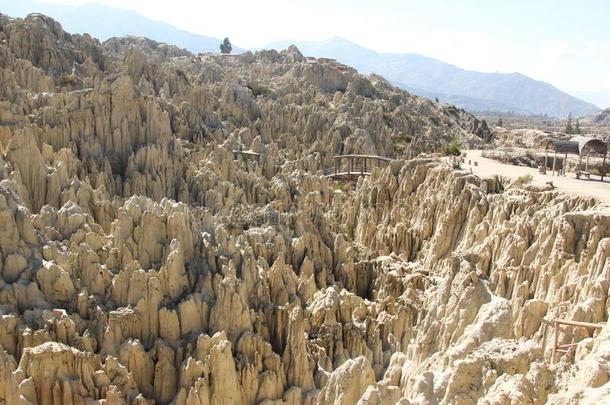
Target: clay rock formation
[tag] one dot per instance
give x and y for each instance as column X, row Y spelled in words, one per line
column 167, row 235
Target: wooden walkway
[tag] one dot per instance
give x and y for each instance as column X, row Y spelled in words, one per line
column 356, row 166
column 247, row 153
column 346, row 167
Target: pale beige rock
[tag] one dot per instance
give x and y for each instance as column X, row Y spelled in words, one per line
column 144, row 261
column 348, row 382
column 14, row 264
column 224, row 380
column 297, row 364
column 230, row 313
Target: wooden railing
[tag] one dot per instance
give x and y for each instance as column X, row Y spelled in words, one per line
column 566, row 348
column 357, row 165
column 247, row 153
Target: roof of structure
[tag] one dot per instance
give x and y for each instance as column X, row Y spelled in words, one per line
column 577, row 145
column 589, row 145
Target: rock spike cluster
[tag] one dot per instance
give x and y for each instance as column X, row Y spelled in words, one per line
column 143, row 261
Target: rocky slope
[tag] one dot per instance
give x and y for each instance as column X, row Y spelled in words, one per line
column 601, row 118
column 142, row 261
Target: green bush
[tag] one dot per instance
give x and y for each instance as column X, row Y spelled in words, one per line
column 346, row 187
column 259, row 89
column 453, row 149
column 523, row 180
column 67, row 80
column 595, row 171
column 387, row 117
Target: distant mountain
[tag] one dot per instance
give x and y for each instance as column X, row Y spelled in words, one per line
column 474, row 91
column 105, row 22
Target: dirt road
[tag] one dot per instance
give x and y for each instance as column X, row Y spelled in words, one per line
column 568, row 184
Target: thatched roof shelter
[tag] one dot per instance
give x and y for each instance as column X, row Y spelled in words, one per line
column 590, row 146
column 561, row 146
column 583, row 146
column 577, row 145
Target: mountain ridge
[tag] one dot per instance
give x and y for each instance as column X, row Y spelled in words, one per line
column 510, row 92
column 419, row 74
column 105, row 22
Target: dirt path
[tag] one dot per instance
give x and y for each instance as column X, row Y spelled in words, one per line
column 568, row 184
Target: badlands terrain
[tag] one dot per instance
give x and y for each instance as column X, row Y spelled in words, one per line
column 142, row 261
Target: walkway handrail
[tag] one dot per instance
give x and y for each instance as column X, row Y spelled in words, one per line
column 246, row 153
column 355, row 156
column 566, row 348
column 353, row 160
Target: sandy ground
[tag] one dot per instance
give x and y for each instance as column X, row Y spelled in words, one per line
column 568, row 184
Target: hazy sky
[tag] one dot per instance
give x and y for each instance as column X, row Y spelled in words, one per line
column 564, row 42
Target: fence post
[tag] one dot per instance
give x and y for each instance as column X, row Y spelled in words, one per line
column 555, row 341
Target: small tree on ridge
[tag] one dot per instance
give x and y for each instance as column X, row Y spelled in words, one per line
column 569, row 129
column 225, row 46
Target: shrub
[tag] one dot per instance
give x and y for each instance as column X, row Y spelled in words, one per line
column 67, row 80
column 180, row 73
column 452, row 149
column 406, row 137
column 387, row 117
column 258, row 89
column 346, row 187
column 523, row 180
column 595, row 171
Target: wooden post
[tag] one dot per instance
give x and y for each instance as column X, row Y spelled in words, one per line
column 546, row 156
column 565, row 163
column 554, row 161
column 579, row 166
column 604, row 167
column 555, row 341
column 587, row 164
column 565, row 348
column 337, row 162
column 365, row 164
column 362, row 166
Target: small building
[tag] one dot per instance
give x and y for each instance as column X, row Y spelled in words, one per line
column 583, row 146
